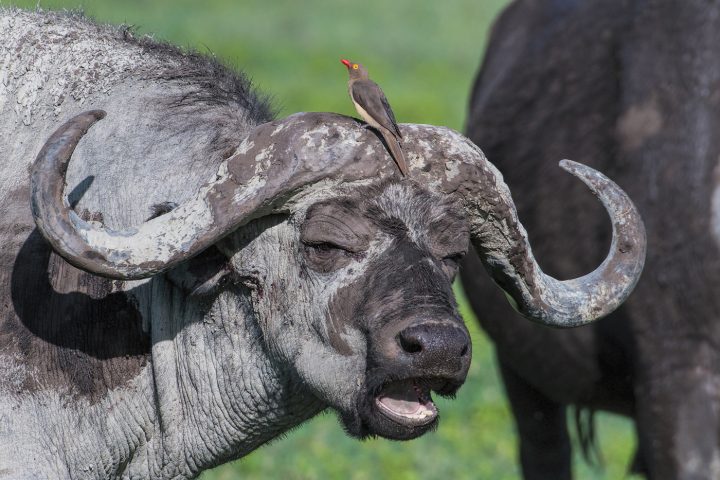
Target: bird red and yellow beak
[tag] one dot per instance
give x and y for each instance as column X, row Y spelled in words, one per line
column 347, row 63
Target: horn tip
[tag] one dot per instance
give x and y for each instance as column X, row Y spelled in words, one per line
column 98, row 114
column 569, row 165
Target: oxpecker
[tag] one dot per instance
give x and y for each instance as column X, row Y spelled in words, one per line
column 373, row 107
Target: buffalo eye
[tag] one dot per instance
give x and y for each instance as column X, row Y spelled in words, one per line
column 325, row 257
column 324, row 248
column 334, row 234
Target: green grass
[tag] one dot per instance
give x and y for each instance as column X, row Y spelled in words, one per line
column 425, row 55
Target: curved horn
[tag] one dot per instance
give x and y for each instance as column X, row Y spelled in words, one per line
column 281, row 158
column 569, row 303
column 503, row 247
column 276, row 160
column 459, row 167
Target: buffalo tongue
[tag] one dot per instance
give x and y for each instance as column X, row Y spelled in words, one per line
column 406, row 400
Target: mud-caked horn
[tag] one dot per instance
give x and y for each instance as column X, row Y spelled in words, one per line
column 280, row 159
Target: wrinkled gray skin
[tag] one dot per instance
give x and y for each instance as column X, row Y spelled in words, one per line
column 286, row 268
column 633, row 89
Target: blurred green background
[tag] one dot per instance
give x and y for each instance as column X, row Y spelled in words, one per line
column 425, row 55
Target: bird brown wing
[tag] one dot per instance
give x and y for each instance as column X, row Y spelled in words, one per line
column 372, row 99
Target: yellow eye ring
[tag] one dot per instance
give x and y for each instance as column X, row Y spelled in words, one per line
column 355, row 67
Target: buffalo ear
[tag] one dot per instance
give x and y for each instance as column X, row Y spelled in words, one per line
column 203, row 274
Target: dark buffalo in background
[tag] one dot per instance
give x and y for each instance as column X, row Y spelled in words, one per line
column 632, row 88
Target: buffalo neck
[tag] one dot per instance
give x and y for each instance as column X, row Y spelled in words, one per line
column 208, row 394
column 211, row 369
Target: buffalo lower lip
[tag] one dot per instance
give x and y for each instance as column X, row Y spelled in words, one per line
column 407, row 403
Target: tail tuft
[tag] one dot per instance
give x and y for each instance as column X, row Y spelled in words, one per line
column 587, row 437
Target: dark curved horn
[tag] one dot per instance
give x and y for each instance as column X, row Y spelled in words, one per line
column 281, row 158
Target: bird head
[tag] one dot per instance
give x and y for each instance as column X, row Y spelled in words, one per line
column 356, row 70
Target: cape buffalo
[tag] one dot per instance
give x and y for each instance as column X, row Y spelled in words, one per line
column 632, row 88
column 189, row 278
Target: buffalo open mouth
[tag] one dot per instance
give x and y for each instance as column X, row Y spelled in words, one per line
column 409, row 402
column 399, row 409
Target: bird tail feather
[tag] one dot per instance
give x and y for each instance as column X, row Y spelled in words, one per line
column 396, row 151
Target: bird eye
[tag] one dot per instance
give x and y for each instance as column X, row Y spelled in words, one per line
column 355, row 67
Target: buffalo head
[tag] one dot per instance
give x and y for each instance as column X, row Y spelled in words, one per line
column 348, row 267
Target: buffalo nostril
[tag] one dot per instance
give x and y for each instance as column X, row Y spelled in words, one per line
column 410, row 344
column 434, row 342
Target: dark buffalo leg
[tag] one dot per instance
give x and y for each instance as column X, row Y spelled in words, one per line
column 544, row 442
column 679, row 424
